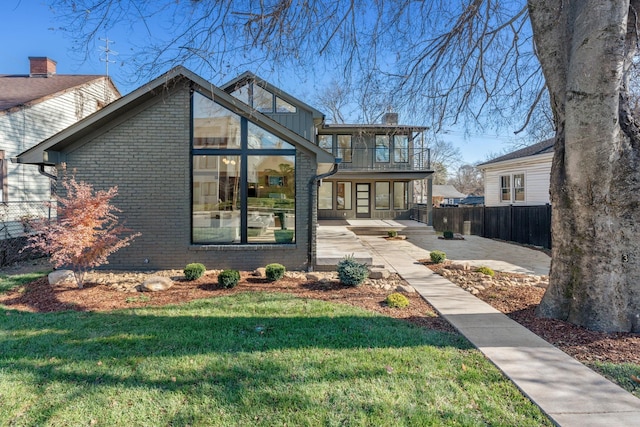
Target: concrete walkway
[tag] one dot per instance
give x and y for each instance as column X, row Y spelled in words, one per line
column 567, row 391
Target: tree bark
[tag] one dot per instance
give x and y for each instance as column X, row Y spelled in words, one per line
column 585, row 48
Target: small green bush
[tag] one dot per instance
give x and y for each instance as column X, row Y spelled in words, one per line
column 228, row 278
column 397, row 300
column 351, row 272
column 448, row 234
column 194, row 271
column 274, row 271
column 392, row 233
column 486, row 270
column 438, row 257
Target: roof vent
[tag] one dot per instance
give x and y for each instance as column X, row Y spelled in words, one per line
column 390, row 119
column 41, row 66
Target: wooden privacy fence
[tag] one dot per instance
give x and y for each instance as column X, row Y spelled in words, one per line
column 530, row 225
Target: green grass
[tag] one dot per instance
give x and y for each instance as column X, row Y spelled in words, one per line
column 620, row 373
column 249, row 359
column 8, row 282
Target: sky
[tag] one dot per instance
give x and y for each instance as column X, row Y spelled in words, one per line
column 30, row 28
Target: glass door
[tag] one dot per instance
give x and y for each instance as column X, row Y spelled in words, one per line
column 363, row 200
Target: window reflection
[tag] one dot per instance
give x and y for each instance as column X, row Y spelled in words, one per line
column 216, row 198
column 271, row 199
column 213, row 125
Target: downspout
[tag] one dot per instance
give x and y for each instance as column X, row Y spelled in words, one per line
column 45, row 173
column 311, row 225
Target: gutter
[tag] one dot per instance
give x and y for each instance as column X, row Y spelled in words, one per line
column 313, row 182
column 41, row 171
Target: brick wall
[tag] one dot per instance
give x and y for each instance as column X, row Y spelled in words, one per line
column 148, row 158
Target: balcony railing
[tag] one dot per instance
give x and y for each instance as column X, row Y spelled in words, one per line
column 370, row 159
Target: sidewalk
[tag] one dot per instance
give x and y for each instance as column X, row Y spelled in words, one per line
column 567, row 391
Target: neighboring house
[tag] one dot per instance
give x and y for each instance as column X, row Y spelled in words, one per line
column 521, row 177
column 378, row 162
column 203, row 176
column 472, row 201
column 446, row 195
column 34, row 107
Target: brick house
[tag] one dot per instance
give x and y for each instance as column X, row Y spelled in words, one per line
column 202, row 175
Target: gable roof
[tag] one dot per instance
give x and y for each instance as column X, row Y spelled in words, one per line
column 23, row 90
column 543, row 147
column 46, row 151
column 247, row 75
column 447, row 191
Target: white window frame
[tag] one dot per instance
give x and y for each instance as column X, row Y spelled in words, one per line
column 513, row 190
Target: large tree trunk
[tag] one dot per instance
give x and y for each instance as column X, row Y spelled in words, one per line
column 585, row 48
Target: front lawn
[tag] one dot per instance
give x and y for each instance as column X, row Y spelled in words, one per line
column 246, row 359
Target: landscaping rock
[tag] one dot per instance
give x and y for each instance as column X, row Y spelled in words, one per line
column 156, row 283
column 61, row 276
column 379, row 273
column 314, row 277
column 407, row 289
column 260, row 272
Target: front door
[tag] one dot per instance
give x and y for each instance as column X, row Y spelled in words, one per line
column 363, row 200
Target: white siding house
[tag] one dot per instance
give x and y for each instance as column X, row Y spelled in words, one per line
column 521, row 177
column 33, row 107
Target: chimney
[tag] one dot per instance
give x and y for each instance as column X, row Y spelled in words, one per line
column 41, row 66
column 390, row 119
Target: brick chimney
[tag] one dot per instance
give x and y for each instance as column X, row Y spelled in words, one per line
column 41, row 66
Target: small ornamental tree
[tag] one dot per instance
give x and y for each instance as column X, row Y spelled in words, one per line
column 86, row 230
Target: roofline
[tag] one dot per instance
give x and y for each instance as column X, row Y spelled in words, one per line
column 48, row 96
column 514, row 161
column 545, row 145
column 248, row 75
column 146, row 92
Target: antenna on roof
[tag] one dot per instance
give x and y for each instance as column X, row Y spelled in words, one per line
column 106, row 50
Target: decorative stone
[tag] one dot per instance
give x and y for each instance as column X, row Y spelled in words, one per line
column 407, row 289
column 314, row 277
column 260, row 272
column 379, row 273
column 156, row 283
column 61, row 276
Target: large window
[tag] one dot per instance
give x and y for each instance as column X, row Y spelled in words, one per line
column 325, row 195
column 400, row 148
column 382, row 195
column 343, row 196
column 400, row 195
column 382, row 148
column 243, row 179
column 344, row 148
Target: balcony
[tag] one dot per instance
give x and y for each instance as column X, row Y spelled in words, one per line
column 372, row 160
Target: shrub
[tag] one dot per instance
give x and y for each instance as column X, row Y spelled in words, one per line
column 397, row 300
column 351, row 272
column 86, row 230
column 228, row 278
column 194, row 271
column 448, row 234
column 486, row 270
column 438, row 257
column 274, row 271
column 392, row 233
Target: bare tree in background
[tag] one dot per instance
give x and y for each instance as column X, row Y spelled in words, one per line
column 458, row 61
column 468, row 180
